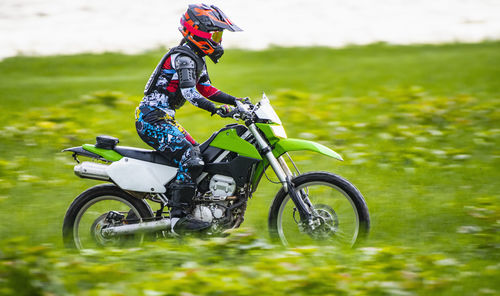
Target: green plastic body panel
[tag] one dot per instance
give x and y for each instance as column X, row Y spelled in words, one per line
column 110, row 155
column 286, row 145
column 266, row 129
column 229, row 140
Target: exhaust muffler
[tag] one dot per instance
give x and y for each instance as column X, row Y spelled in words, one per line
column 92, row 170
column 152, row 226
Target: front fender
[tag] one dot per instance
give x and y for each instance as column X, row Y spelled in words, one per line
column 286, row 145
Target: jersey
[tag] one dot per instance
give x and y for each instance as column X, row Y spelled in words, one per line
column 181, row 75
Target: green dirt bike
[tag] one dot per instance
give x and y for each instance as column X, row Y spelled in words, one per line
column 313, row 207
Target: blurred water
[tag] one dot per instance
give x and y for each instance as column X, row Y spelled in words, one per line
column 37, row 27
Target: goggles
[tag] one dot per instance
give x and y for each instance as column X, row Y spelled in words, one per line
column 215, row 36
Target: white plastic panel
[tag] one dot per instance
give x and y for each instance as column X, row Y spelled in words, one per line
column 266, row 111
column 142, row 176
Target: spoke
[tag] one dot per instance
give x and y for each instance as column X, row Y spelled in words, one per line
column 341, row 234
column 337, row 212
column 92, row 218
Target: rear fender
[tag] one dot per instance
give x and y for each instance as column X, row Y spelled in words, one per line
column 127, row 173
column 109, row 155
column 91, row 151
column 80, row 151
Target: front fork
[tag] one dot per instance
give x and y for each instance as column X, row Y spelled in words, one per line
column 284, row 174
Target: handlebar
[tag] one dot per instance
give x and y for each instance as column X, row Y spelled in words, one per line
column 242, row 111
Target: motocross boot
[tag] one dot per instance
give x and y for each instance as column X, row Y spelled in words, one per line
column 182, row 221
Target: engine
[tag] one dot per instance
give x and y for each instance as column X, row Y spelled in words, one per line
column 209, row 212
column 213, row 204
column 221, row 187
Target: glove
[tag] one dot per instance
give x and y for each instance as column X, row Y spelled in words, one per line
column 224, row 111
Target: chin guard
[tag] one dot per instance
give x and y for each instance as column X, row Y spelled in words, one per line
column 217, row 54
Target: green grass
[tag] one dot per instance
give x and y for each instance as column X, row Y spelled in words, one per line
column 416, row 125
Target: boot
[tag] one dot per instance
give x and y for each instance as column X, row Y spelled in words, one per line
column 182, row 222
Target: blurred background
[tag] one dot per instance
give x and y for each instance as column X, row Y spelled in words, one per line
column 407, row 92
column 58, row 26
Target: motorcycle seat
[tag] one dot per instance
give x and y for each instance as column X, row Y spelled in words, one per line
column 144, row 154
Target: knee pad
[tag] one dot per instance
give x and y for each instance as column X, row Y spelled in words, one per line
column 194, row 164
column 194, row 167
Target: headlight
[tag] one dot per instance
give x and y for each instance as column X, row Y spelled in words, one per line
column 278, row 131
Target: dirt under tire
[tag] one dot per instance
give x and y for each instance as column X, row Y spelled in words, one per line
column 345, row 194
column 104, row 192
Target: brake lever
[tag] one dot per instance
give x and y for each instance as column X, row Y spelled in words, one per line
column 242, row 110
column 240, row 105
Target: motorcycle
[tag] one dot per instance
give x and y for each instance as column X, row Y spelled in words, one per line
column 313, row 207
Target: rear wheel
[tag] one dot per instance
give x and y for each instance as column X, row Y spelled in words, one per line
column 98, row 208
column 340, row 215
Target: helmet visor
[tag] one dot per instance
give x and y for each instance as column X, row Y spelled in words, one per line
column 217, row 36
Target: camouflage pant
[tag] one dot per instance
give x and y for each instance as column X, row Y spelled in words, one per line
column 164, row 134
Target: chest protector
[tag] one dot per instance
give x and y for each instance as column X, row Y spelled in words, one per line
column 153, row 79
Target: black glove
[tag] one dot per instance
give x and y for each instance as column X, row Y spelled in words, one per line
column 224, row 111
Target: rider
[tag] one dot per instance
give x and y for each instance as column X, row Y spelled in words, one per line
column 182, row 75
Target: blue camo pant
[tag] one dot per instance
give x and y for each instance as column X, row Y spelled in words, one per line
column 169, row 137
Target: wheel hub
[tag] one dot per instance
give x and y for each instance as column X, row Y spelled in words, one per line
column 104, row 221
column 322, row 225
column 96, row 230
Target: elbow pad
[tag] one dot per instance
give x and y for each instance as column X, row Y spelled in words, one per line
column 186, row 69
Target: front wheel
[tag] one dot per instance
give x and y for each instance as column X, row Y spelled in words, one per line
column 339, row 212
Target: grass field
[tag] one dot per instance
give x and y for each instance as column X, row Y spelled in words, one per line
column 418, row 127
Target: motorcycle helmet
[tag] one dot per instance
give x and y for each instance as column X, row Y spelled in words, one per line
column 202, row 28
